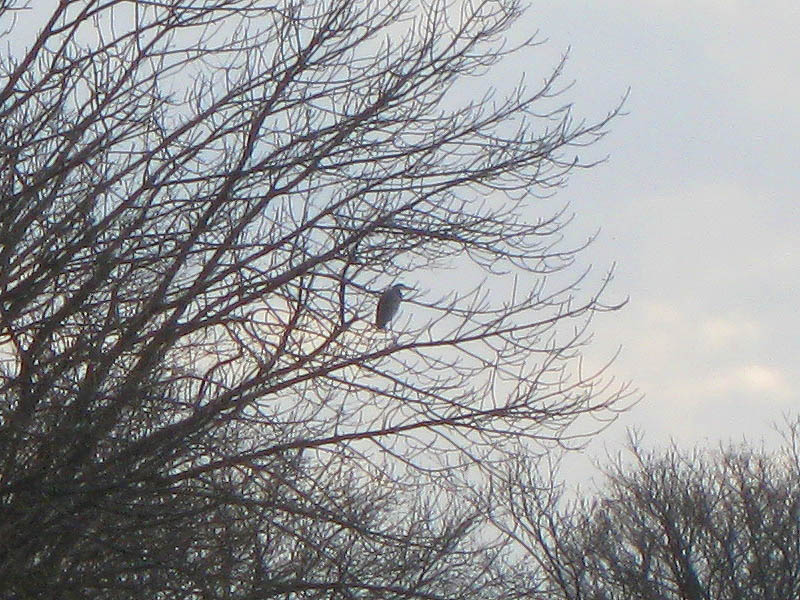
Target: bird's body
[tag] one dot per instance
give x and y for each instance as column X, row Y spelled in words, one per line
column 389, row 304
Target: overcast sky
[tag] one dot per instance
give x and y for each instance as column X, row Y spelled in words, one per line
column 698, row 204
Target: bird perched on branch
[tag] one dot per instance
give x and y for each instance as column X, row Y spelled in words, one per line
column 389, row 304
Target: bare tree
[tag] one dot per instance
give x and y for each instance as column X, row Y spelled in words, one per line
column 201, row 202
column 673, row 525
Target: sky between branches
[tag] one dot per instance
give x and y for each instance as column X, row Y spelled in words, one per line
column 698, row 205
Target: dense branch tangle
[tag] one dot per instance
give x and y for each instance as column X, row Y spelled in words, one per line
column 201, row 200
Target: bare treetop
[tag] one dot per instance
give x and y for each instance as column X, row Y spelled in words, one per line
column 203, row 200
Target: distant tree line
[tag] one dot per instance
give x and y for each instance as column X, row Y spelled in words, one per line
column 672, row 525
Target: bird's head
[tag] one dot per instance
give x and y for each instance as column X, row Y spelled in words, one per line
column 401, row 287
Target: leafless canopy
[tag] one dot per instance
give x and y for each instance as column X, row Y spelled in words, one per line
column 201, row 201
column 675, row 525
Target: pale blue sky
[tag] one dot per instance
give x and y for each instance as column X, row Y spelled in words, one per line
column 699, row 205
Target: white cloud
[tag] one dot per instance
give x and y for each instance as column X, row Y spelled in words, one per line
column 719, row 332
column 756, row 379
column 760, row 378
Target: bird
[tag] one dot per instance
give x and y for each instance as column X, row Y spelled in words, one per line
column 389, row 304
